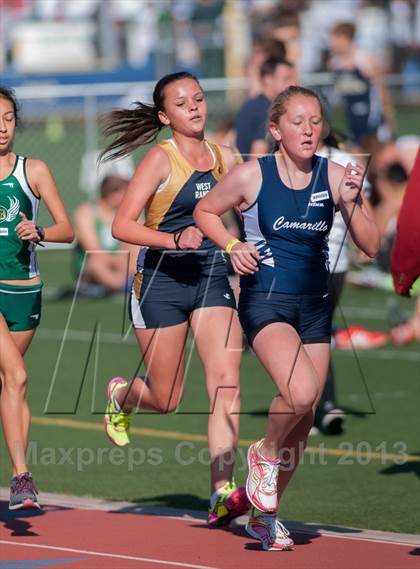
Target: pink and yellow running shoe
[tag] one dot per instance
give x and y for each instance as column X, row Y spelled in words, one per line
column 116, row 421
column 231, row 503
column 261, row 484
column 270, row 531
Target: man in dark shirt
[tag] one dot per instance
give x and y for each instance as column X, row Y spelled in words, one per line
column 251, row 122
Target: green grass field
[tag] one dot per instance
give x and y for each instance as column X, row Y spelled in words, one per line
column 369, row 483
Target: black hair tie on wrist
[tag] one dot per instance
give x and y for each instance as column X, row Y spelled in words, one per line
column 177, row 237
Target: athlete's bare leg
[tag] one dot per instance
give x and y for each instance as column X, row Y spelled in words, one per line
column 280, row 350
column 12, row 398
column 163, row 350
column 295, row 441
column 22, row 341
column 218, row 338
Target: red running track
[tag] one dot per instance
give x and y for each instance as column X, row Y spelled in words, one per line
column 63, row 537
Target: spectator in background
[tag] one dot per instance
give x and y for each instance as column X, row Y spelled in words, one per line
column 315, row 23
column 390, row 167
column 390, row 185
column 224, row 131
column 403, row 150
column 105, row 268
column 328, row 418
column 373, row 29
column 405, row 35
column 275, row 76
column 262, row 50
column 286, row 28
column 359, row 82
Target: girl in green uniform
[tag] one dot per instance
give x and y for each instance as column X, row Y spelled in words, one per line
column 23, row 182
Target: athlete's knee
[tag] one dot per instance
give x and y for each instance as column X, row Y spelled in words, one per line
column 15, row 379
column 302, row 400
column 163, row 406
column 223, row 386
column 226, row 380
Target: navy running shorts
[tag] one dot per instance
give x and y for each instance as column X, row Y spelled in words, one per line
column 309, row 315
column 158, row 300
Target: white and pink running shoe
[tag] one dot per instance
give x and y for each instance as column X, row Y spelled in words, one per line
column 270, row 531
column 261, row 484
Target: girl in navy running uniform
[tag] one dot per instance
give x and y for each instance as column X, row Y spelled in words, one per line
column 287, row 201
column 182, row 277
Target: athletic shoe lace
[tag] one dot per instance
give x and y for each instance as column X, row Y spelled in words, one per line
column 275, row 527
column 24, row 483
column 121, row 421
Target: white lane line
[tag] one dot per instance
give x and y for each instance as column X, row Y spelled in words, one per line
column 112, row 555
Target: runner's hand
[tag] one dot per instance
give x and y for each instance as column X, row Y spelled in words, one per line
column 244, row 258
column 191, row 238
column 351, row 183
column 26, row 229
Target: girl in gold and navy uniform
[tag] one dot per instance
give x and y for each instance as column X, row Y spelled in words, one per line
column 169, row 285
column 182, row 277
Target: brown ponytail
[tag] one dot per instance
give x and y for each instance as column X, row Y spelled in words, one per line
column 140, row 125
column 132, row 128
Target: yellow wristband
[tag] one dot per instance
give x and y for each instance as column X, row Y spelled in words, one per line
column 231, row 245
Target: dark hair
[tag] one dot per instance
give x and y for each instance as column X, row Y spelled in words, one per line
column 138, row 126
column 395, row 173
column 335, row 139
column 285, row 17
column 272, row 47
column 269, row 66
column 347, row 29
column 110, row 185
column 9, row 94
column 279, row 106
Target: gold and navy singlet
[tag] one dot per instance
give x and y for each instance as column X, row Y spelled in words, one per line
column 171, row 207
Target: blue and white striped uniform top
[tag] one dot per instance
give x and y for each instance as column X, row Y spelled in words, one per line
column 290, row 230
